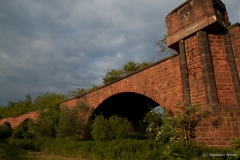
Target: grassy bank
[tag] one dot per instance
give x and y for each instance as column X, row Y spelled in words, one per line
column 8, row 152
column 128, row 149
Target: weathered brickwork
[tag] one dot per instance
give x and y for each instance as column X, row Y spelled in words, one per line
column 234, row 32
column 161, row 82
column 212, row 75
column 191, row 12
column 187, row 14
column 196, row 81
column 221, row 70
column 220, row 128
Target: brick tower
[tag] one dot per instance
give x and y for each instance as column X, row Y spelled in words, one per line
column 198, row 29
column 209, row 50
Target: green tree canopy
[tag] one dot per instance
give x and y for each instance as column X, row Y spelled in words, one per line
column 49, row 100
column 128, row 68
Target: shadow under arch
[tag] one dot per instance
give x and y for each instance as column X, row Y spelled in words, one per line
column 26, row 120
column 130, row 105
column 7, row 124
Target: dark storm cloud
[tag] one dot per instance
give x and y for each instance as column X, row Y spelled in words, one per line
column 59, row 45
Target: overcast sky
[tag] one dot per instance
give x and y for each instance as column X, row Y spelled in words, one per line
column 59, row 45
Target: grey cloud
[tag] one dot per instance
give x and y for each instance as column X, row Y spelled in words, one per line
column 59, row 45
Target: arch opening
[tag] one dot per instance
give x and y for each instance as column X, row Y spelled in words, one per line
column 7, row 124
column 130, row 105
column 26, row 120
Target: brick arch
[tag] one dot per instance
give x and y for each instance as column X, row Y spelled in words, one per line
column 160, row 82
column 15, row 121
column 130, row 105
column 149, row 92
column 8, row 124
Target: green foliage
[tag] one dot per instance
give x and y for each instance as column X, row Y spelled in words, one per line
column 94, row 87
column 178, row 127
column 112, row 75
column 236, row 143
column 46, row 124
column 128, row 68
column 21, row 132
column 123, row 149
column 2, row 153
column 109, row 129
column 77, row 92
column 163, row 48
column 67, row 123
column 153, row 121
column 5, row 131
column 73, row 121
column 16, row 108
column 49, row 101
column 81, row 91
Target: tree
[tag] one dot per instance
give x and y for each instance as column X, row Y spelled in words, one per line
column 73, row 121
column 28, row 100
column 81, row 91
column 128, row 68
column 76, row 92
column 5, row 131
column 22, row 132
column 14, row 109
column 48, row 100
column 46, row 124
column 112, row 75
column 164, row 49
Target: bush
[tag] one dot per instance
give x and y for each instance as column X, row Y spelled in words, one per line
column 46, row 124
column 181, row 126
column 123, row 149
column 66, row 123
column 153, row 121
column 109, row 129
column 73, row 122
column 5, row 131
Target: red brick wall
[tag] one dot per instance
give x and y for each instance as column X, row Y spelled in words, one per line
column 160, row 82
column 197, row 9
column 219, row 129
column 196, row 81
column 221, row 70
column 234, row 32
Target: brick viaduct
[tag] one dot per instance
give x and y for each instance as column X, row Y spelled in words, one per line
column 206, row 70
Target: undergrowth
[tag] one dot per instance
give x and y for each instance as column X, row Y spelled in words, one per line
column 124, row 149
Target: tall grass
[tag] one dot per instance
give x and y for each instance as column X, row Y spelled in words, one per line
column 127, row 149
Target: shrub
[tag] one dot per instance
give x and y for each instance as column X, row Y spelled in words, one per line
column 5, row 131
column 46, row 124
column 67, row 123
column 181, row 125
column 123, row 149
column 73, row 122
column 21, row 132
column 153, row 121
column 109, row 129
column 67, row 126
